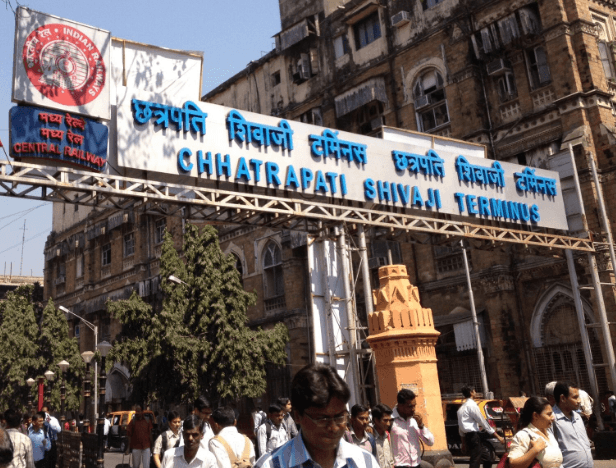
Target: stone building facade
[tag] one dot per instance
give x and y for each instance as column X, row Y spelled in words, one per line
column 525, row 78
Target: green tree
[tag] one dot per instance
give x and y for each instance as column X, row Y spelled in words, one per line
column 33, row 340
column 199, row 342
column 56, row 345
column 19, row 356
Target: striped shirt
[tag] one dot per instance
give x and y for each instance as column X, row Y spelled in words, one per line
column 294, row 454
column 22, row 450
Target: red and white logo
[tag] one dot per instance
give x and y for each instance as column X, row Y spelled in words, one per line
column 64, row 64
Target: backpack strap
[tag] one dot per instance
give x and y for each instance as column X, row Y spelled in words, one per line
column 246, row 452
column 268, row 430
column 232, row 457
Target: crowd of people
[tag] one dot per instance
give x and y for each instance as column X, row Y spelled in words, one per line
column 550, row 433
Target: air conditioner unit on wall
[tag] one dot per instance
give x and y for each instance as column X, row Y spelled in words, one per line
column 422, row 101
column 497, row 67
column 400, row 18
column 377, row 123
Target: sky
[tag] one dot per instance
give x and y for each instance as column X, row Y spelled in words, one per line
column 230, row 34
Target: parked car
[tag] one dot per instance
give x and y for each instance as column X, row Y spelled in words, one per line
column 492, row 410
column 119, row 421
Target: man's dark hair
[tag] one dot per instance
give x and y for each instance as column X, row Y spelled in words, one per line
column 192, row 421
column 202, row 403
column 467, row 390
column 405, row 395
column 562, row 388
column 225, row 416
column 358, row 409
column 283, row 401
column 315, row 385
column 171, row 415
column 274, row 408
column 38, row 415
column 12, row 418
column 380, row 410
column 6, row 448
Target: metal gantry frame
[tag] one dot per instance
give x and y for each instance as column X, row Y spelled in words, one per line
column 208, row 203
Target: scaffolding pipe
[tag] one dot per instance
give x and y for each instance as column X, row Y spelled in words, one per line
column 482, row 367
column 592, row 376
column 605, row 328
column 350, row 313
column 365, row 273
column 585, row 341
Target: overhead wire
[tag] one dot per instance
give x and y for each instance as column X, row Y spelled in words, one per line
column 26, row 241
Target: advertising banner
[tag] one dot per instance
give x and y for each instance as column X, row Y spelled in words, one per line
column 422, row 173
column 61, row 64
column 37, row 133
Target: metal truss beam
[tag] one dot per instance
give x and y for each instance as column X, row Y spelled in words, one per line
column 61, row 184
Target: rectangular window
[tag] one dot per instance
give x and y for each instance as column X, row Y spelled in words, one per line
column 79, row 264
column 429, row 3
column 608, row 67
column 367, row 30
column 106, row 254
column 275, row 78
column 509, row 30
column 341, row 46
column 159, row 234
column 538, row 70
column 129, row 244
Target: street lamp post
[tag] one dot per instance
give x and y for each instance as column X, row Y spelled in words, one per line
column 87, row 357
column 30, row 382
column 94, row 328
column 41, row 382
column 103, row 348
column 63, row 365
column 49, row 375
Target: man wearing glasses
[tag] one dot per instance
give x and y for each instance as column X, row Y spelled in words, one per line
column 319, row 397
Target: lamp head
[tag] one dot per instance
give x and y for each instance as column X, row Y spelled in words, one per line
column 64, row 309
column 87, row 356
column 30, row 382
column 175, row 279
column 104, row 347
column 49, row 375
column 63, row 365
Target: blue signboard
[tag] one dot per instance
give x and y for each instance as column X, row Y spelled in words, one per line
column 59, row 136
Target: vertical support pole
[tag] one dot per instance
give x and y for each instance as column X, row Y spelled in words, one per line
column 328, row 308
column 584, row 332
column 482, row 367
column 313, row 312
column 100, row 423
column 95, row 372
column 350, row 311
column 605, row 328
column 365, row 274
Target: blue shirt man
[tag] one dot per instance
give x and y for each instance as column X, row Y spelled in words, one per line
column 569, row 428
column 40, row 442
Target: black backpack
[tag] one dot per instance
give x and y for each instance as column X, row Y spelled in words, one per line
column 268, row 435
column 165, row 443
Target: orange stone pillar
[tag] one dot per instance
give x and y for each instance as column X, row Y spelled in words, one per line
column 403, row 339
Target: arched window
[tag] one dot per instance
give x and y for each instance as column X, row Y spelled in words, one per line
column 272, row 271
column 430, row 101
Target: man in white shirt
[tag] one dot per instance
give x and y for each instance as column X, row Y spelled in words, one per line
column 22, row 446
column 203, row 409
column 406, row 430
column 271, row 434
column 470, row 422
column 191, row 454
column 52, row 427
column 228, row 444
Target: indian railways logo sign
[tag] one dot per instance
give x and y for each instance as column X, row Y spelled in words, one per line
column 64, row 64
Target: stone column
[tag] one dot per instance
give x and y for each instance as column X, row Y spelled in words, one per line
column 403, row 339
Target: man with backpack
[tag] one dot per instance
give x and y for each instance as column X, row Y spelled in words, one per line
column 191, row 454
column 168, row 439
column 287, row 420
column 360, row 420
column 231, row 449
column 272, row 434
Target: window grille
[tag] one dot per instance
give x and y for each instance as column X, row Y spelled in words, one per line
column 159, row 233
column 129, row 244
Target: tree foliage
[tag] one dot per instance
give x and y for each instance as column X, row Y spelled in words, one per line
column 33, row 340
column 200, row 341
